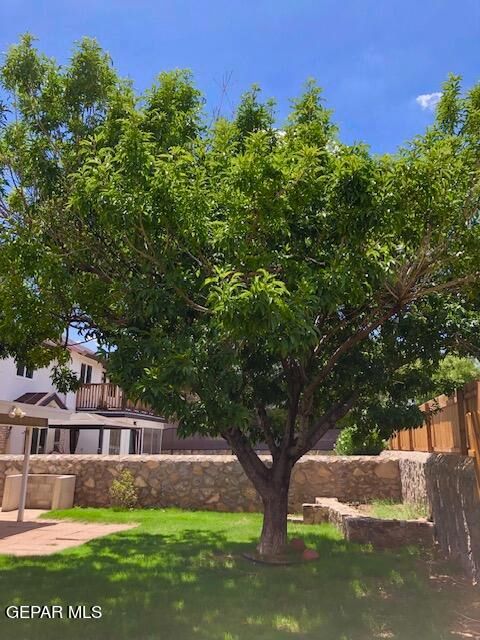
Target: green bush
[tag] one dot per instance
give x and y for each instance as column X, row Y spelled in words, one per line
column 354, row 441
column 123, row 492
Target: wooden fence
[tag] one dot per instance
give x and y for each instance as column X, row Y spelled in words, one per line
column 452, row 425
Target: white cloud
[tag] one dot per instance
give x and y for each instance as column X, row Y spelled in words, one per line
column 428, row 100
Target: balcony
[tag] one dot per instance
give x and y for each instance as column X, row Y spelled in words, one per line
column 108, row 397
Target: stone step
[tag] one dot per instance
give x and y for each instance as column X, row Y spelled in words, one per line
column 326, row 510
column 296, row 519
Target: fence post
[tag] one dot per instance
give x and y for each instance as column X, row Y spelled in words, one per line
column 410, row 439
column 428, row 425
column 462, row 430
column 475, row 433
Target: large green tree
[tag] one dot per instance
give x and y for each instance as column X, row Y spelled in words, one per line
column 248, row 281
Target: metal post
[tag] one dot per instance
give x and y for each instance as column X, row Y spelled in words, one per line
column 161, row 439
column 26, row 464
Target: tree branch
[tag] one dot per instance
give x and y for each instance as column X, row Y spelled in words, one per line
column 256, row 471
column 309, row 436
column 452, row 284
column 345, row 346
column 265, row 426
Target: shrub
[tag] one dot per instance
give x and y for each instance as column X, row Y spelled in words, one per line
column 123, row 492
column 354, row 441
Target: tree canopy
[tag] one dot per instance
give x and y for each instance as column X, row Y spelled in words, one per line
column 247, row 279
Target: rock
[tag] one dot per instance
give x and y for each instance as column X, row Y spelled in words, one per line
column 300, row 477
column 298, row 544
column 388, row 469
column 323, row 471
column 310, row 554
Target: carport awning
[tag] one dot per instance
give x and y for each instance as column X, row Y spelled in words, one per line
column 59, row 418
column 31, row 410
column 23, row 421
column 65, row 419
column 82, row 420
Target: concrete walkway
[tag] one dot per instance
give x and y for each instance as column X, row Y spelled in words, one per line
column 35, row 537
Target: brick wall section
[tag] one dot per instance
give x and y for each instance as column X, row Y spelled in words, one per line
column 3, row 439
column 215, row 482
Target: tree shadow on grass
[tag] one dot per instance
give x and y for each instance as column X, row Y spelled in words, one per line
column 195, row 584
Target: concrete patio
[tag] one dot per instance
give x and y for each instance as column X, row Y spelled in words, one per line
column 35, row 537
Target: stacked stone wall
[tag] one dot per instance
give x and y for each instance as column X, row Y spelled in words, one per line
column 214, row 482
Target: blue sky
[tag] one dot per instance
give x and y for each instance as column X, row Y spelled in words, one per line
column 372, row 57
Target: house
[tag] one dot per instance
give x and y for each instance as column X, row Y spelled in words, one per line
column 98, row 418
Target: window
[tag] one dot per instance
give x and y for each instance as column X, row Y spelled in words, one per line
column 23, row 371
column 147, row 441
column 85, row 374
column 39, row 437
column 133, row 444
column 114, row 445
column 152, row 441
column 57, row 440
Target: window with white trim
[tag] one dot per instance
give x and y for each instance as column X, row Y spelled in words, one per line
column 85, row 373
column 23, row 371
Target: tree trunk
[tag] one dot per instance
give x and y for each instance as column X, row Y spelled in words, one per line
column 272, row 483
column 273, row 538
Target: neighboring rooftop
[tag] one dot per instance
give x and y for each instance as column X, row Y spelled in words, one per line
column 83, row 350
column 41, row 399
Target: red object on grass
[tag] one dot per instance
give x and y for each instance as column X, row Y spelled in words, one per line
column 310, row 554
column 297, row 544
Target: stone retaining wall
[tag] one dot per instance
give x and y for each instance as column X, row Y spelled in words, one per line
column 446, row 483
column 215, row 482
column 357, row 527
column 412, row 465
column 452, row 492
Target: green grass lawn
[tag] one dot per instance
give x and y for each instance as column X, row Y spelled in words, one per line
column 179, row 576
column 387, row 509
